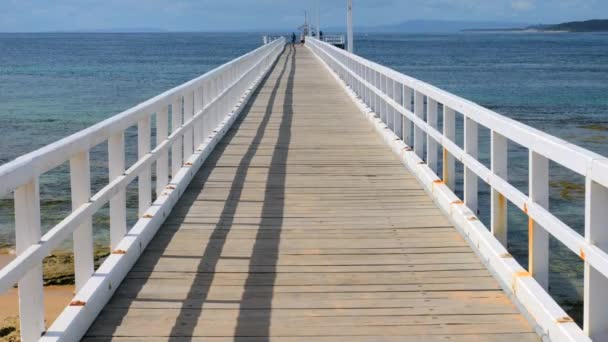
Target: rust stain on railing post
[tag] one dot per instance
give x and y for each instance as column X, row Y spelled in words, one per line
column 530, row 243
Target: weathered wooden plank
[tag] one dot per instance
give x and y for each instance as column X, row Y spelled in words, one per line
column 520, row 337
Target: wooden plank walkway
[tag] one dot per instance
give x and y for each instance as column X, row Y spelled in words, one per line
column 303, row 226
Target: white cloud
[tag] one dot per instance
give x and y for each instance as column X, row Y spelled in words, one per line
column 522, row 5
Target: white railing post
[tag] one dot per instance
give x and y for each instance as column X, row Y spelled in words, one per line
column 118, row 203
column 188, row 136
column 370, row 93
column 387, row 108
column 596, row 284
column 431, row 144
column 470, row 178
column 383, row 104
column 214, row 109
column 376, row 103
column 390, row 88
column 449, row 132
column 367, row 90
column 27, row 233
column 205, row 119
column 176, row 148
column 144, row 182
column 538, row 237
column 349, row 25
column 398, row 91
column 198, row 126
column 360, row 70
column 407, row 123
column 80, row 181
column 162, row 163
column 498, row 200
column 418, row 133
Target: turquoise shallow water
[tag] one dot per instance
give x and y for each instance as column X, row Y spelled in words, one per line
column 52, row 85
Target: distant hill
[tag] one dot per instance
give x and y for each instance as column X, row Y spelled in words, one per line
column 596, row 25
column 429, row 26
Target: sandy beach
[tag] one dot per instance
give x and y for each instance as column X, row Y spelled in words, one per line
column 58, row 270
column 56, row 297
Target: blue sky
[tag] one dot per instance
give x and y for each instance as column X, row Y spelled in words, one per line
column 221, row 15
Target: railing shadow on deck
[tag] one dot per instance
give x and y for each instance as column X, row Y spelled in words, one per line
column 192, row 306
column 274, row 197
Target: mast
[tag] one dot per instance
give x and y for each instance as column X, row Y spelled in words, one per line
column 318, row 19
column 349, row 24
column 306, row 27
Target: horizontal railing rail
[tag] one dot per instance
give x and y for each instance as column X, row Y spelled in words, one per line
column 270, row 39
column 333, row 39
column 190, row 119
column 409, row 109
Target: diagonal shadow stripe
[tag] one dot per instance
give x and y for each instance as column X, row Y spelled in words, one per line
column 266, row 245
column 190, row 314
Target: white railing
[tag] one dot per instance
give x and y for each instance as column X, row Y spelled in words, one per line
column 397, row 103
column 198, row 112
column 270, row 39
column 336, row 39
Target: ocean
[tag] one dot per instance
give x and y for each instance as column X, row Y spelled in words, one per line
column 52, row 85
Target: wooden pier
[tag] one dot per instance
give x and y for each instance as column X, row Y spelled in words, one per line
column 307, row 194
column 303, row 226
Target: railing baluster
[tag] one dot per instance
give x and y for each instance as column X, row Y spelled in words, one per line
column 407, row 123
column 374, row 94
column 382, row 103
column 162, row 163
column 198, row 128
column 398, row 91
column 471, row 133
column 449, row 132
column 80, row 181
column 358, row 84
column 205, row 120
column 215, row 109
column 188, row 136
column 390, row 120
column 118, row 203
column 498, row 200
column 418, row 134
column 431, row 144
column 538, row 237
column 595, row 293
column 176, row 148
column 27, row 233
column 368, row 90
column 385, row 107
column 144, row 182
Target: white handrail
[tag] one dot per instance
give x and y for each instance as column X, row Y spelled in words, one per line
column 201, row 112
column 396, row 102
column 333, row 39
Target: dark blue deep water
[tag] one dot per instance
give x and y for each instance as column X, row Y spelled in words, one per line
column 52, row 85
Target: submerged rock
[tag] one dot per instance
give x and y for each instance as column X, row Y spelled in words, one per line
column 9, row 330
column 569, row 190
column 58, row 268
column 595, row 127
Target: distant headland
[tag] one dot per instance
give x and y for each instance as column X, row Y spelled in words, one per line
column 595, row 25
